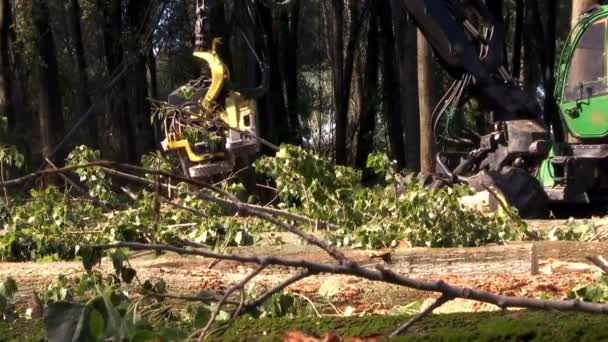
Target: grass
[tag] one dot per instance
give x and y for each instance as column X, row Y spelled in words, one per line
column 480, row 327
column 500, row 326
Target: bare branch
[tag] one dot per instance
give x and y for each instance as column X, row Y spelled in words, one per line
column 229, row 292
column 600, row 262
column 108, row 165
column 282, row 286
column 382, row 275
column 439, row 302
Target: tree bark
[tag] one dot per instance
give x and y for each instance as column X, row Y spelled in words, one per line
column 50, row 115
column 518, row 39
column 137, row 13
column 342, row 60
column 495, row 7
column 369, row 100
column 551, row 110
column 90, row 134
column 289, row 34
column 425, row 89
column 336, row 42
column 405, row 35
column 276, row 126
column 390, row 88
column 121, row 145
column 6, row 108
column 533, row 71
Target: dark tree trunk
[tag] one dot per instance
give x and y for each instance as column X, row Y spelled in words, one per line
column 6, row 108
column 551, row 109
column 153, row 74
column 369, row 100
column 121, row 144
column 532, row 65
column 138, row 27
column 343, row 63
column 336, row 42
column 289, row 35
column 405, row 35
column 495, row 7
column 89, row 136
column 154, row 90
column 50, row 115
column 277, row 130
column 518, row 39
column 390, row 88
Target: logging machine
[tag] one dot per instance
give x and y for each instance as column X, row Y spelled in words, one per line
column 529, row 156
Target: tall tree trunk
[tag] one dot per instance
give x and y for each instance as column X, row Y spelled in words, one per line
column 425, row 89
column 518, row 39
column 390, row 86
column 369, row 100
column 578, row 7
column 405, row 34
column 137, row 13
column 121, row 145
column 154, row 90
column 6, row 108
column 532, row 66
column 289, row 35
column 50, row 115
column 495, row 7
column 342, row 61
column 336, row 42
column 277, row 130
column 551, row 110
column 90, row 135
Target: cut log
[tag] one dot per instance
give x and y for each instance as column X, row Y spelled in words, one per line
column 517, row 259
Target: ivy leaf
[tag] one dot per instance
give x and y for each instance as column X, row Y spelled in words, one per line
column 127, row 274
column 90, row 257
column 118, row 260
column 330, row 288
column 201, row 317
column 8, row 288
column 3, row 304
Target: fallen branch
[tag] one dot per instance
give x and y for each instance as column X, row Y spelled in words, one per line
column 600, row 262
column 379, row 275
column 436, row 304
column 113, row 167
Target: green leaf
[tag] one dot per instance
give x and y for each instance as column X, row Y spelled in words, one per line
column 330, row 288
column 8, row 288
column 3, row 304
column 118, row 260
column 201, row 317
column 127, row 274
column 90, row 257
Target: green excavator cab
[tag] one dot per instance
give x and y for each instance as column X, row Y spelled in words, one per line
column 576, row 170
column 582, row 91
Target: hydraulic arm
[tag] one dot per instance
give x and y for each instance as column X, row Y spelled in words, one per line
column 463, row 50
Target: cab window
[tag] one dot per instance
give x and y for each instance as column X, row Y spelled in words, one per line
column 587, row 76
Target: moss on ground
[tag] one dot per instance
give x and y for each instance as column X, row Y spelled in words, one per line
column 500, row 326
column 22, row 331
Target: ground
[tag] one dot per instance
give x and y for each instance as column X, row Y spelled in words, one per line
column 561, row 266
